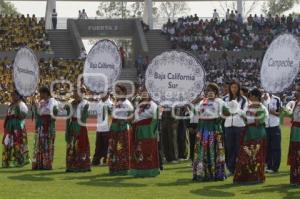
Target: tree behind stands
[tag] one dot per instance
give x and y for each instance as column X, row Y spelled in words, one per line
column 275, row 7
column 7, row 8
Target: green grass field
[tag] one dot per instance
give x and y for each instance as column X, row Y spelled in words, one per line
column 174, row 182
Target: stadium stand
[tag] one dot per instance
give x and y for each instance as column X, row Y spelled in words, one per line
column 17, row 31
column 219, row 44
column 192, row 33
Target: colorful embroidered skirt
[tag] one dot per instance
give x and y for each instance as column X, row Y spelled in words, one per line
column 294, row 162
column 15, row 149
column 294, row 154
column 250, row 168
column 209, row 154
column 78, row 150
column 43, row 152
column 119, row 147
column 145, row 157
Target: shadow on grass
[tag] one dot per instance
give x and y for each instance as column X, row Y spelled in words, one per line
column 172, row 167
column 280, row 174
column 30, row 177
column 104, row 175
column 212, row 193
column 179, row 182
column 118, row 182
column 14, row 170
column 44, row 176
column 185, row 171
column 105, row 180
column 288, row 191
column 215, row 191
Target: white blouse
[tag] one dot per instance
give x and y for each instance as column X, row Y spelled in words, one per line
column 23, row 108
column 46, row 107
column 150, row 112
column 77, row 110
column 209, row 109
column 122, row 110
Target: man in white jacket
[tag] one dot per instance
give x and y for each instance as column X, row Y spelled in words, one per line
column 274, row 105
column 104, row 108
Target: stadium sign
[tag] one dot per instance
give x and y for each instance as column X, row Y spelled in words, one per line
column 175, row 77
column 102, row 28
column 102, row 66
column 26, row 72
column 281, row 64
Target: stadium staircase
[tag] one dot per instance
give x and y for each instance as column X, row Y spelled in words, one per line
column 129, row 73
column 62, row 44
column 157, row 43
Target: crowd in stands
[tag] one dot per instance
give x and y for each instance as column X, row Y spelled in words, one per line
column 20, row 30
column 246, row 71
column 232, row 33
column 50, row 70
column 191, row 33
column 221, row 70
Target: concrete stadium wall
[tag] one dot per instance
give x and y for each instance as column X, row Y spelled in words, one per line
column 109, row 28
column 105, row 27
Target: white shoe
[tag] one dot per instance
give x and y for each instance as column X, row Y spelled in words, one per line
column 270, row 171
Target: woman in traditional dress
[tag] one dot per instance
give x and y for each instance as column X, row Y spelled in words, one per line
column 119, row 146
column 145, row 156
column 15, row 149
column 250, row 168
column 44, row 110
column 209, row 157
column 294, row 150
column 78, row 146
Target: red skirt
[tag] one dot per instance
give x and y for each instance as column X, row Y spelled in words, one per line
column 294, row 162
column 43, row 153
column 145, row 155
column 250, row 167
column 78, row 152
column 119, row 152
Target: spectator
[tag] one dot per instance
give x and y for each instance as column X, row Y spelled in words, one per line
column 83, row 54
column 123, row 56
column 194, row 47
column 216, row 15
column 54, row 19
column 239, row 19
column 140, row 64
column 84, row 15
column 227, row 15
column 79, row 14
column 232, row 16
